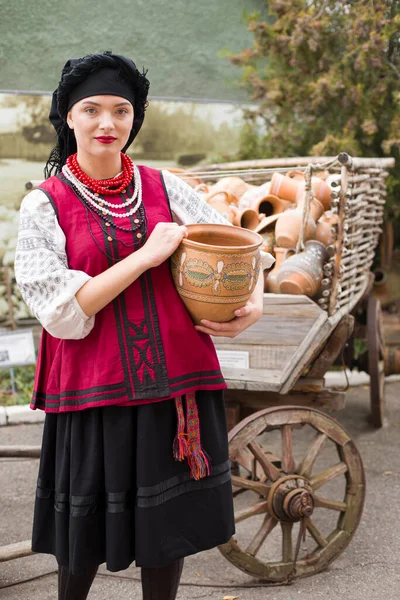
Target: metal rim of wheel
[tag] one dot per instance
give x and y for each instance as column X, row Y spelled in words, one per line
column 376, row 363
column 288, row 492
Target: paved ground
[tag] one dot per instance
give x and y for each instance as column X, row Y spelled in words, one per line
column 367, row 570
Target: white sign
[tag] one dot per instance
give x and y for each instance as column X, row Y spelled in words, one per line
column 233, row 359
column 17, row 348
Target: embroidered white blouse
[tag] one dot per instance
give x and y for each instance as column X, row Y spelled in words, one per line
column 46, row 283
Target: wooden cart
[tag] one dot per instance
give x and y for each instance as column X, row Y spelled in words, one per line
column 294, row 468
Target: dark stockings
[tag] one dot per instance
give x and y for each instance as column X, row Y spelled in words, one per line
column 161, row 583
column 74, row 587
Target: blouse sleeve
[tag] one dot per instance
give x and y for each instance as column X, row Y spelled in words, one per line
column 188, row 207
column 46, row 283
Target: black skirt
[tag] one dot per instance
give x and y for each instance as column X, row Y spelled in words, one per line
column 109, row 490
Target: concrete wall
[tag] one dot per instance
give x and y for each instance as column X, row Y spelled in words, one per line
column 178, row 41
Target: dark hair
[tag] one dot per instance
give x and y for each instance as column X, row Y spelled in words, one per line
column 74, row 72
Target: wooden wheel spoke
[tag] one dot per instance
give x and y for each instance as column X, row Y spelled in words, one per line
column 268, row 525
column 248, row 484
column 245, row 459
column 288, row 465
column 287, row 547
column 324, row 476
column 331, row 504
column 270, row 470
column 315, row 533
column 251, row 511
column 313, row 450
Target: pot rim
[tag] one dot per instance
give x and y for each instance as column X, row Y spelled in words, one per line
column 211, row 227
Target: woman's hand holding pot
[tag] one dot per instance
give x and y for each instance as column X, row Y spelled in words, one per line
column 163, row 241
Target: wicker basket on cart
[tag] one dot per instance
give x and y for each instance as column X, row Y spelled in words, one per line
column 294, row 468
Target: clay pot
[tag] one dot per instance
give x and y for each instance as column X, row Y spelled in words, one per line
column 271, row 278
column 247, row 218
column 266, row 229
column 288, row 188
column 302, row 273
column 316, row 208
column 254, row 193
column 325, row 232
column 285, row 187
column 215, row 270
column 288, row 226
column 270, row 205
column 225, row 204
column 233, row 185
column 321, row 191
column 296, row 175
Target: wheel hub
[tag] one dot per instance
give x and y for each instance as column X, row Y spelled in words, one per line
column 291, row 499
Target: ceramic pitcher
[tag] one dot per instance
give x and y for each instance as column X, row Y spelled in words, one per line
column 302, row 273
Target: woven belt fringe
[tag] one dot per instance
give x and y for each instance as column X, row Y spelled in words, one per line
column 187, row 443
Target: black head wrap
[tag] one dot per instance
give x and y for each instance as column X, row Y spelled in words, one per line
column 95, row 74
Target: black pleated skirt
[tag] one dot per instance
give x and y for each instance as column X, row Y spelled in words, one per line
column 109, row 490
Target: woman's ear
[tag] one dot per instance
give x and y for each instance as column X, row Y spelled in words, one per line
column 70, row 121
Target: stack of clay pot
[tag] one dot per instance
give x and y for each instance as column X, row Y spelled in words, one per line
column 275, row 211
column 300, row 273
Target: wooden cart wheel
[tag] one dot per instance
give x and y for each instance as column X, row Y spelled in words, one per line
column 297, row 483
column 376, row 364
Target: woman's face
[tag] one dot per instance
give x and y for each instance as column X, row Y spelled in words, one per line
column 101, row 124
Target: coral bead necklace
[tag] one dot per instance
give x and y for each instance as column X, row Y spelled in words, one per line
column 106, row 187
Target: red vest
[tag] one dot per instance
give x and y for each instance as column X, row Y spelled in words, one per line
column 143, row 347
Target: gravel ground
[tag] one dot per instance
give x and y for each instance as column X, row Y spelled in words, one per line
column 367, row 570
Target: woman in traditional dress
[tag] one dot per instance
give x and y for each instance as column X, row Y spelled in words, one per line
column 125, row 378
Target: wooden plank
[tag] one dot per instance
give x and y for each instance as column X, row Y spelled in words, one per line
column 252, row 379
column 333, row 346
column 282, row 329
column 13, row 551
column 262, row 356
column 252, row 401
column 307, row 350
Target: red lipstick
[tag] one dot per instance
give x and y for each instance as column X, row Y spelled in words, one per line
column 106, row 139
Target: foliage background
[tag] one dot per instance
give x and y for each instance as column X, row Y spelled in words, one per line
column 326, row 75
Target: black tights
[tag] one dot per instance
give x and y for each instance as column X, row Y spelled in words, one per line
column 160, row 583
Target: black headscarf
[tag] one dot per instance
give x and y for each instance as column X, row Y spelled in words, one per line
column 91, row 75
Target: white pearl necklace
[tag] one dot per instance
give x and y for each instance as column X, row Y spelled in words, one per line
column 89, row 196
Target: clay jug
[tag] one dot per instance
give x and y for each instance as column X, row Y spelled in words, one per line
column 247, row 218
column 321, row 191
column 270, row 205
column 271, row 277
column 234, row 185
column 253, row 193
column 325, row 232
column 215, row 270
column 285, row 187
column 266, row 229
column 288, row 226
column 302, row 273
column 222, row 202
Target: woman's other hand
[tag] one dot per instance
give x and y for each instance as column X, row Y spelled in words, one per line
column 163, row 241
column 245, row 316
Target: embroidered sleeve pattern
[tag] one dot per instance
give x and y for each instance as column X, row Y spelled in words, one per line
column 47, row 285
column 187, row 206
